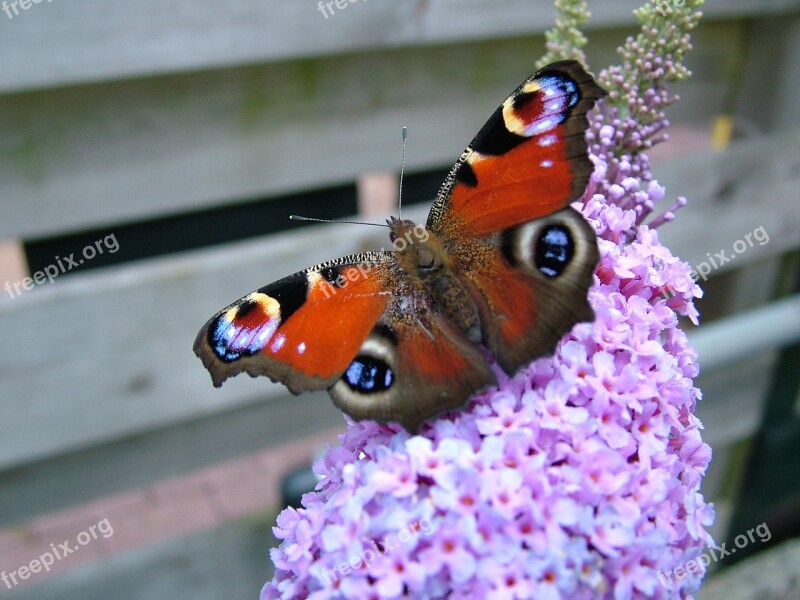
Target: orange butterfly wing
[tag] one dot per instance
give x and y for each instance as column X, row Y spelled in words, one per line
column 303, row 330
column 529, row 160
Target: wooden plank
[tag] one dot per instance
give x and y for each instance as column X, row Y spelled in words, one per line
column 229, row 562
column 92, row 156
column 85, row 157
column 749, row 334
column 81, row 41
column 754, row 285
column 141, row 459
column 737, row 359
column 733, row 398
column 733, row 194
column 737, row 388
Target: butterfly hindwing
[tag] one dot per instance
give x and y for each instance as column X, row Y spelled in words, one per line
column 530, row 284
column 412, row 367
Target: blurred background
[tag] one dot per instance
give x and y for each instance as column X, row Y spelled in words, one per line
column 150, row 154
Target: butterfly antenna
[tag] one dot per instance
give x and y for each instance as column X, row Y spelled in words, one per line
column 399, row 201
column 300, row 218
column 402, row 169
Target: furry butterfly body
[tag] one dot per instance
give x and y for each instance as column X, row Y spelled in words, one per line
column 503, row 263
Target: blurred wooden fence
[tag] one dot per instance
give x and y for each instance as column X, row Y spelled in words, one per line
column 115, row 112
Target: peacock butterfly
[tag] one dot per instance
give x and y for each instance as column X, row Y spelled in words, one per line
column 502, row 261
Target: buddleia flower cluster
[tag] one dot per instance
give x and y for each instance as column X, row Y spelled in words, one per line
column 578, row 477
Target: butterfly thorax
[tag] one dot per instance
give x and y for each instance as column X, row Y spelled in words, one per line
column 422, row 255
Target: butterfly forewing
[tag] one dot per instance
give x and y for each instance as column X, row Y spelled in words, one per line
column 529, row 160
column 303, row 330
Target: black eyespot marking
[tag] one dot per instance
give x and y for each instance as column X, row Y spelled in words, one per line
column 330, row 274
column 290, row 292
column 494, row 138
column 520, row 100
column 368, row 375
column 245, row 308
column 465, row 175
column 554, row 250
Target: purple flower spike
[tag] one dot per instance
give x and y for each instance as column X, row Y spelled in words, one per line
column 577, row 478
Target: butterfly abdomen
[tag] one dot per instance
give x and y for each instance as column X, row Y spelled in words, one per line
column 451, row 300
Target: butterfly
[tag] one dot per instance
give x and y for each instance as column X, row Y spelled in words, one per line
column 503, row 263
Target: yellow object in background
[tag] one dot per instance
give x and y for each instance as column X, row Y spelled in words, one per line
column 721, row 132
